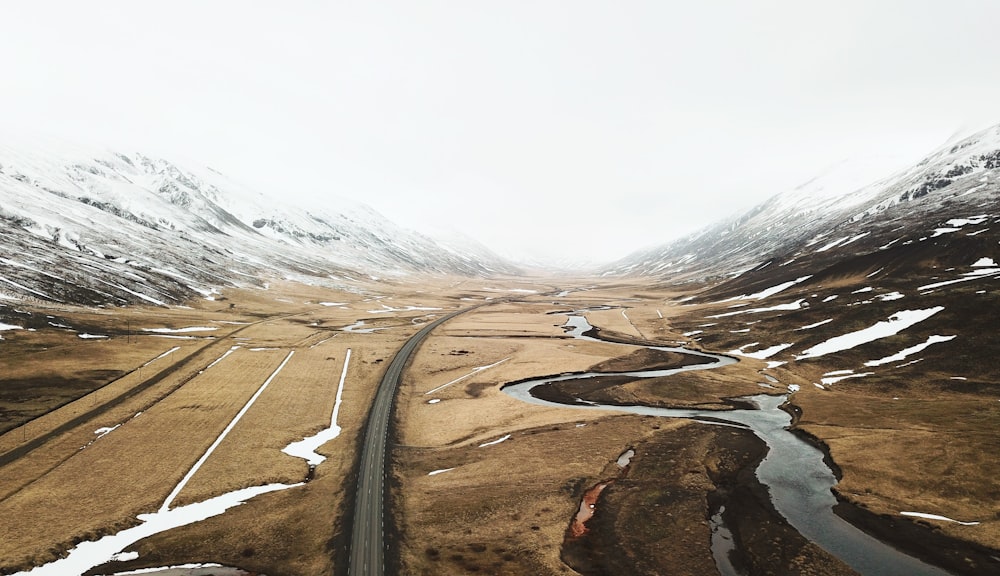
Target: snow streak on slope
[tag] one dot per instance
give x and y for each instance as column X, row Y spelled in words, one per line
column 845, row 212
column 97, row 226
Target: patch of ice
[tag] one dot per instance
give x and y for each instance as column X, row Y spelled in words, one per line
column 895, row 324
column 497, row 441
column 793, row 387
column 902, row 354
column 830, row 298
column 984, row 263
column 863, row 290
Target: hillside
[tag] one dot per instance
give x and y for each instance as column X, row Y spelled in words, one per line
column 95, row 226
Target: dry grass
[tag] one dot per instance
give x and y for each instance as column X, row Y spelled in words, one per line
column 503, row 509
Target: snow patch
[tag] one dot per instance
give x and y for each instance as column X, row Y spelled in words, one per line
column 811, row 326
column 895, row 324
column 761, row 354
column 890, row 296
column 789, row 306
column 902, row 354
column 769, row 291
column 834, row 379
column 306, row 448
column 937, row 517
column 180, row 330
column 497, row 441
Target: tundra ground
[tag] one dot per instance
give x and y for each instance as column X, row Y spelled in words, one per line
column 481, row 482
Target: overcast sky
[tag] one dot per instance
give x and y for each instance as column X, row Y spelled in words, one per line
column 576, row 129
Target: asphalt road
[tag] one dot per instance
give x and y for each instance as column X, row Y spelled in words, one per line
column 367, row 547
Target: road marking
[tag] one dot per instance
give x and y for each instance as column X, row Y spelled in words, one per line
column 177, row 489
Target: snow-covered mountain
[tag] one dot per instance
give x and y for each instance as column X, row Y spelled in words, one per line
column 835, row 216
column 92, row 225
column 833, row 274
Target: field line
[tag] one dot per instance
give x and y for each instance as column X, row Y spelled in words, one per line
column 177, row 489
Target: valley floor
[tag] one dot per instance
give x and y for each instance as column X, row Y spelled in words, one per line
column 113, row 414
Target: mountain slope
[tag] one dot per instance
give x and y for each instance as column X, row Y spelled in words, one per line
column 103, row 227
column 823, row 220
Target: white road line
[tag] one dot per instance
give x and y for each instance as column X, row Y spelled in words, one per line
column 474, row 371
column 232, row 424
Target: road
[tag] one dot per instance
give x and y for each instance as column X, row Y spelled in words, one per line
column 367, row 547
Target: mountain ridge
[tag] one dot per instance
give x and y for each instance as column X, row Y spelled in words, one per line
column 102, row 217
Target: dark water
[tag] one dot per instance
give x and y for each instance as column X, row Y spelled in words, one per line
column 794, row 472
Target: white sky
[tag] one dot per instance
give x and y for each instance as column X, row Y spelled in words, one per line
column 574, row 129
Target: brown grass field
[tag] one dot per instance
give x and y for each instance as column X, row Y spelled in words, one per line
column 502, row 508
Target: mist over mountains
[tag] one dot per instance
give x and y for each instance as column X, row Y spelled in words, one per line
column 97, row 226
column 831, row 217
column 92, row 225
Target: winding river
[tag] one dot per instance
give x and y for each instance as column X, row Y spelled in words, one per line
column 798, row 480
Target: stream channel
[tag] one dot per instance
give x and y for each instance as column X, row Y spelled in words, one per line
column 793, row 471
